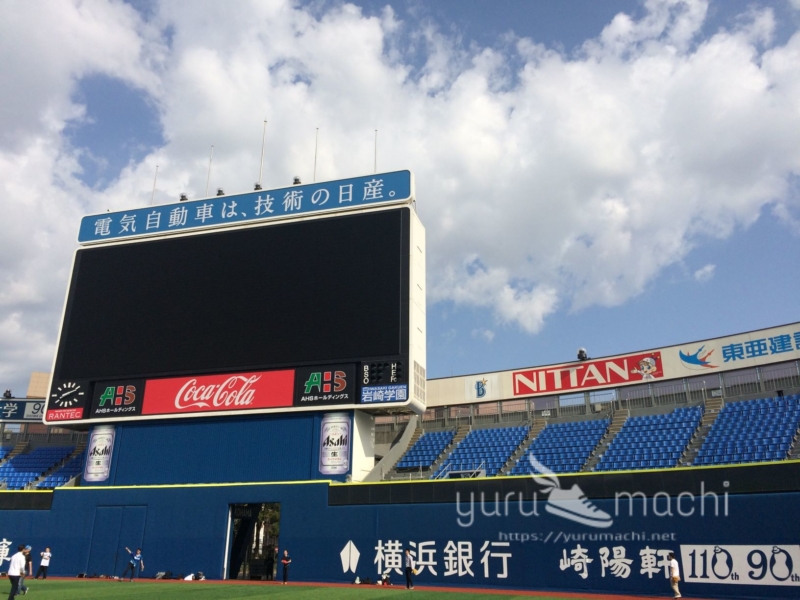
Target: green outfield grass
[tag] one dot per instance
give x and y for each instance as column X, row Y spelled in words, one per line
column 101, row 590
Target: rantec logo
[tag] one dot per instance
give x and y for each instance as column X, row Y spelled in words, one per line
column 326, row 382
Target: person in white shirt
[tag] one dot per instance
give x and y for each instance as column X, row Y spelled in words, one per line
column 46, row 555
column 16, row 569
column 674, row 574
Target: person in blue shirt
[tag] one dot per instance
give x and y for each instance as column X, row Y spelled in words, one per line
column 136, row 564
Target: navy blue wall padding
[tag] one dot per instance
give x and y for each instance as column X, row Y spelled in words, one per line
column 206, row 450
column 185, row 529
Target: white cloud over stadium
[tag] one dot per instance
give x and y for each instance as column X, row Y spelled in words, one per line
column 547, row 180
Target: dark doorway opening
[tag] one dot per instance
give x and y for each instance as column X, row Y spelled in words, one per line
column 254, row 540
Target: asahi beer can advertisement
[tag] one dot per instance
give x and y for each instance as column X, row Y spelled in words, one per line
column 334, row 444
column 98, row 454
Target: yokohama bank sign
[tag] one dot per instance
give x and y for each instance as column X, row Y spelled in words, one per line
column 634, row 368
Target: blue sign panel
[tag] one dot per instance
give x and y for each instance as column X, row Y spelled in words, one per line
column 384, row 393
column 262, row 205
column 21, row 410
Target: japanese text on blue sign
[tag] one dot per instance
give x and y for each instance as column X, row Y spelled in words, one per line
column 257, row 206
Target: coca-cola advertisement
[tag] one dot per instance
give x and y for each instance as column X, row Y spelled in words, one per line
column 215, row 393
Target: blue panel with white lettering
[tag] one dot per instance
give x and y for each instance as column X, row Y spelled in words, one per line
column 384, row 393
column 263, row 205
column 21, row 410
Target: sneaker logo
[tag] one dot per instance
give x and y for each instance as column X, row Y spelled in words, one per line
column 349, row 556
column 569, row 504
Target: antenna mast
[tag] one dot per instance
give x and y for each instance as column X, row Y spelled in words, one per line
column 209, row 169
column 261, row 165
column 316, row 145
column 153, row 195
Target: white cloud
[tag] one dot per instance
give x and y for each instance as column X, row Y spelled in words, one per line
column 481, row 333
column 705, row 273
column 571, row 182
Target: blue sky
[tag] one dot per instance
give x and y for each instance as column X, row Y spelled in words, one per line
column 614, row 175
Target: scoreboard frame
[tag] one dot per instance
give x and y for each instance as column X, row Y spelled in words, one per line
column 374, row 383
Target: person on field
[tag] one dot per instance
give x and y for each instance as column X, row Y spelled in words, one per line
column 45, row 562
column 674, row 574
column 27, row 571
column 286, row 561
column 136, row 564
column 409, row 569
column 16, row 569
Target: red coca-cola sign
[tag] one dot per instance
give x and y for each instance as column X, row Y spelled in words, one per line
column 213, row 393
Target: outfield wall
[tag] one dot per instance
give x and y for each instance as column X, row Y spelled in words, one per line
column 262, row 448
column 509, row 532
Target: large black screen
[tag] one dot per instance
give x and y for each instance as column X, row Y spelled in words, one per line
column 326, row 290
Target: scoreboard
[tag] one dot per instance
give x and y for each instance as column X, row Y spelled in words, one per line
column 290, row 312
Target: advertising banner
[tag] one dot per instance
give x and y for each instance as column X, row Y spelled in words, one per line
column 589, row 374
column 266, row 205
column 384, row 393
column 322, row 386
column 215, row 393
column 99, row 453
column 777, row 347
column 334, row 444
column 68, row 401
column 118, row 398
column 21, row 410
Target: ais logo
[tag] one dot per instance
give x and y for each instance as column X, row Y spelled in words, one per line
column 315, row 386
column 326, row 382
column 120, row 395
column 118, row 398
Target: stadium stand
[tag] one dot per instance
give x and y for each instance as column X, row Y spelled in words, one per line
column 483, row 449
column 563, row 447
column 752, row 431
column 25, row 468
column 651, row 442
column 426, row 450
column 72, row 468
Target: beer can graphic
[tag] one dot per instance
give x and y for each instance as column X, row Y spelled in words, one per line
column 334, row 444
column 98, row 454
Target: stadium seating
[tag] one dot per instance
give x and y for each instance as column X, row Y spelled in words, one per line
column 652, row 442
column 745, row 431
column 487, row 449
column 563, row 447
column 70, row 469
column 426, row 450
column 24, row 468
column 751, row 431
